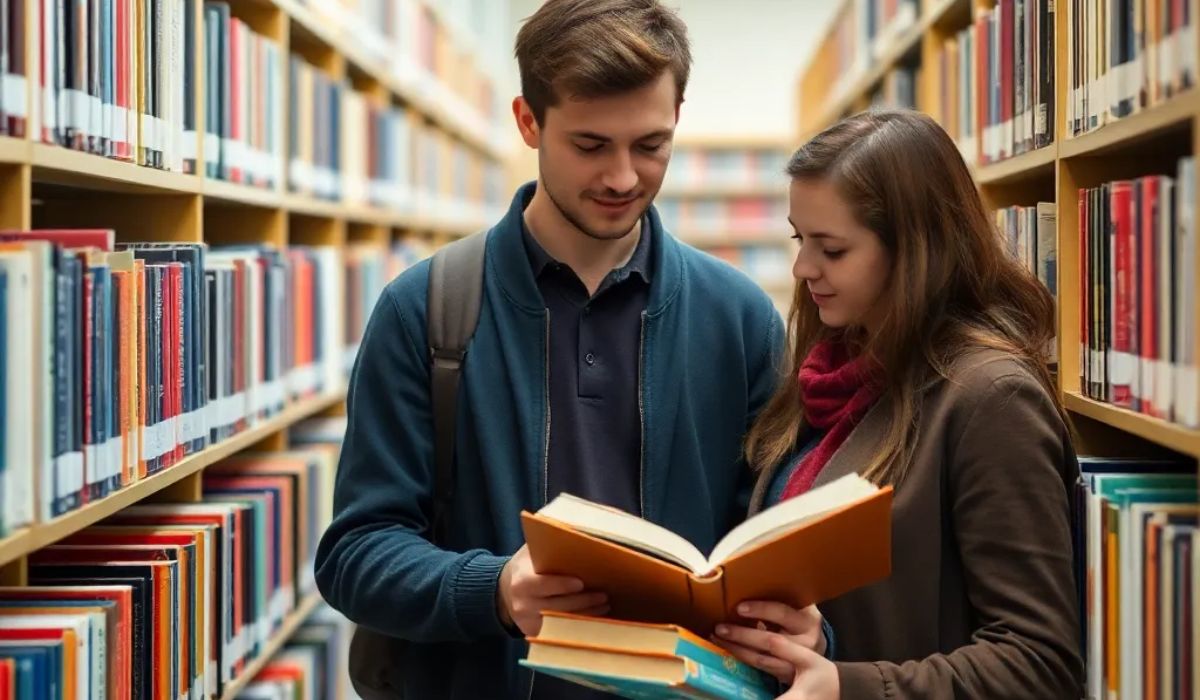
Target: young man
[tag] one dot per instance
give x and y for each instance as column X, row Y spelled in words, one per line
column 609, row 361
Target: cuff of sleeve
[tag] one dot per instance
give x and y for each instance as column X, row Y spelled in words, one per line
column 830, row 640
column 476, row 596
column 862, row 680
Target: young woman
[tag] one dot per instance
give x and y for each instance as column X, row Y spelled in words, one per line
column 918, row 359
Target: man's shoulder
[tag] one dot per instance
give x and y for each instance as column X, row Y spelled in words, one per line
column 408, row 294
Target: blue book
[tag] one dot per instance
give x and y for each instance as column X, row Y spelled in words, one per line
column 638, row 676
column 647, row 638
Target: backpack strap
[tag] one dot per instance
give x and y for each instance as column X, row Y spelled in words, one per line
column 455, row 296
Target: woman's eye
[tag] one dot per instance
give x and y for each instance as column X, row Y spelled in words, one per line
column 834, row 254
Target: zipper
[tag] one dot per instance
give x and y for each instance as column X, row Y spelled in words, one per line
column 545, row 452
column 642, row 419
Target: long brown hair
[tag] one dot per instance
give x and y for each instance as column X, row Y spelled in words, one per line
column 953, row 287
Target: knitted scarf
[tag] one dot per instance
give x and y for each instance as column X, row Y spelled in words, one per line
column 835, row 392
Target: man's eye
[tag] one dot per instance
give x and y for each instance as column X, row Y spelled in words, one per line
column 589, row 149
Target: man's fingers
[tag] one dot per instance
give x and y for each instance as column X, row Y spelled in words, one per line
column 537, row 586
column 570, row 603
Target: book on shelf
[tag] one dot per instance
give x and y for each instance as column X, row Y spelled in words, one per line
column 839, row 535
column 1137, row 294
column 1125, row 57
column 1135, row 530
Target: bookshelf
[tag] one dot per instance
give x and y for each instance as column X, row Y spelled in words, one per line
column 413, row 69
column 724, row 194
column 1121, row 89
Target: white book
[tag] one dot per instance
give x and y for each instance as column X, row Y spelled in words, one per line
column 21, row 446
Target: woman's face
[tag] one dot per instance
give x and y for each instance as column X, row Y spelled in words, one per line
column 843, row 266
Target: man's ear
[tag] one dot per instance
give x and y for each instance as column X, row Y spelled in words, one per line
column 526, row 123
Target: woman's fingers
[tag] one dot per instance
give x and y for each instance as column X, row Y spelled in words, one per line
column 789, row 619
column 763, row 662
column 746, row 636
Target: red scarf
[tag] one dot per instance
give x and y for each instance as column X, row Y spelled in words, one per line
column 835, row 393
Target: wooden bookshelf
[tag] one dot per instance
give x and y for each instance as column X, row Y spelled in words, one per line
column 1033, row 163
column 292, row 623
column 31, row 539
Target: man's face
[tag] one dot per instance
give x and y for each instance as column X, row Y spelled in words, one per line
column 602, row 160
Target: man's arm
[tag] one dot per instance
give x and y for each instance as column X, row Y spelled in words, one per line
column 373, row 564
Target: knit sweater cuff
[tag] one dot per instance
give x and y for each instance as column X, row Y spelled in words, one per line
column 475, row 588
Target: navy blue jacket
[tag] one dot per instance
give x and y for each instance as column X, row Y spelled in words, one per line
column 711, row 345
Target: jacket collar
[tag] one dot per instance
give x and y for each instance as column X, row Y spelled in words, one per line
column 853, row 454
column 508, row 259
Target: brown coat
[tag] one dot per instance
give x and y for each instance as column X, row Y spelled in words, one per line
column 981, row 602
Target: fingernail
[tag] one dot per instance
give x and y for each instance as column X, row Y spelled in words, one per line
column 744, row 608
column 722, row 630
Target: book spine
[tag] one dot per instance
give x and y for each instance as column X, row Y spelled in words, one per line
column 703, row 655
column 719, row 684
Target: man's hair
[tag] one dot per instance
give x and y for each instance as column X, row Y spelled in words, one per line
column 598, row 48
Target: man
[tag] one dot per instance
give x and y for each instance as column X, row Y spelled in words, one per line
column 609, row 361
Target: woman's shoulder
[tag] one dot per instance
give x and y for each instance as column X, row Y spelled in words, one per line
column 986, row 376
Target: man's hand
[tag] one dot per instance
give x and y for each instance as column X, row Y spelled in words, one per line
column 523, row 594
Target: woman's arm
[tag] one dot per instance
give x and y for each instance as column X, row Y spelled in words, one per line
column 1010, row 514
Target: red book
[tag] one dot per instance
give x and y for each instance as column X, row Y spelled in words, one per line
column 982, row 89
column 1007, row 84
column 104, row 239
column 1147, row 299
column 236, row 67
column 1122, row 362
column 177, row 321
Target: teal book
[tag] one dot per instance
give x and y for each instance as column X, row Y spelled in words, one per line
column 645, row 638
column 639, row 676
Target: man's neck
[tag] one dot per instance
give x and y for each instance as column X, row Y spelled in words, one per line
column 591, row 259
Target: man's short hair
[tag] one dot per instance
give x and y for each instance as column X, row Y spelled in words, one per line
column 598, row 48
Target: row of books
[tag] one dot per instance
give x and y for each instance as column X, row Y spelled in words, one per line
column 769, row 265
column 171, row 600
column 996, row 81
column 1139, row 544
column 437, row 59
column 740, row 215
column 864, row 32
column 116, row 78
column 243, row 101
column 315, row 130
column 1031, row 234
column 694, row 166
column 369, row 268
column 1125, row 56
column 13, row 108
column 313, row 664
column 1137, row 243
column 121, row 360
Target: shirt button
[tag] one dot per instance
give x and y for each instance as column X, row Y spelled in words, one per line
column 590, row 359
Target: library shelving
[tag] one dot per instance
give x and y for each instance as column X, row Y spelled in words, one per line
column 1080, row 122
column 330, row 143
column 725, row 194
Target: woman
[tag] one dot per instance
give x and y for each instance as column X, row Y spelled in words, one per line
column 919, row 360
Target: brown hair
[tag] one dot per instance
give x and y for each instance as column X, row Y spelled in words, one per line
column 953, row 287
column 597, row 48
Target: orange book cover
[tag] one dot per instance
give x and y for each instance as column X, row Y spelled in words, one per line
column 124, row 280
column 1112, row 594
column 843, row 546
column 1150, row 612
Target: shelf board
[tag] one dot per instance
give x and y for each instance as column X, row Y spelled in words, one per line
column 906, row 42
column 1170, row 435
column 30, row 539
column 13, row 150
column 722, row 240
column 311, row 206
column 374, row 215
column 225, row 191
column 1131, row 130
column 780, row 142
column 1022, row 167
column 326, row 33
column 290, row 624
column 715, row 191
column 66, row 166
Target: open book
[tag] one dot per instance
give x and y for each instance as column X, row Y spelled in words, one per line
column 804, row 550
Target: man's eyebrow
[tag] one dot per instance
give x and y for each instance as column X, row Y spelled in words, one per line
column 592, row 136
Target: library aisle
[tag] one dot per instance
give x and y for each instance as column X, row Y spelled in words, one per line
column 1080, row 121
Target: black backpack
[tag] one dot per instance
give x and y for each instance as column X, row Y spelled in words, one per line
column 455, row 296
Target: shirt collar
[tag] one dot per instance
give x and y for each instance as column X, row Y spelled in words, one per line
column 639, row 262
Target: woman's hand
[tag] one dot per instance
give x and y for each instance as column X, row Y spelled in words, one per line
column 777, row 622
column 816, row 678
